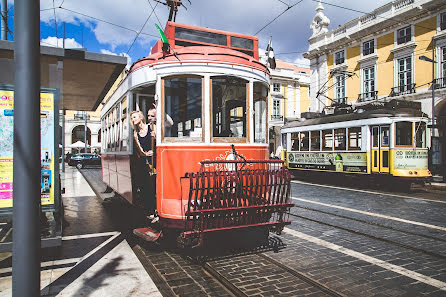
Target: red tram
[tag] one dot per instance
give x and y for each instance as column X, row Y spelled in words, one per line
column 213, row 172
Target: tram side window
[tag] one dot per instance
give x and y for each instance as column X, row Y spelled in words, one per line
column 305, row 141
column 229, row 107
column 403, row 133
column 315, row 140
column 420, row 134
column 327, row 140
column 183, row 97
column 354, row 138
column 340, row 139
column 294, row 141
column 260, row 99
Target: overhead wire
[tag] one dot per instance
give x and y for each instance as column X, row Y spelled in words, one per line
column 153, row 9
column 142, row 28
column 55, row 24
column 288, row 8
column 107, row 22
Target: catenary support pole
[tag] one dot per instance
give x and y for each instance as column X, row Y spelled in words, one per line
column 4, row 19
column 26, row 168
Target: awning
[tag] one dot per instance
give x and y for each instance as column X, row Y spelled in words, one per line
column 82, row 78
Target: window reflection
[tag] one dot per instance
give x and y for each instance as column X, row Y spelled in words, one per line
column 183, row 104
column 228, row 107
column 260, row 94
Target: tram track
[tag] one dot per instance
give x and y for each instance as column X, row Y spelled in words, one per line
column 394, row 243
column 163, row 266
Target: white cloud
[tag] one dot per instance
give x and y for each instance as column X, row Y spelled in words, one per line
column 302, row 62
column 129, row 59
column 58, row 42
column 290, row 31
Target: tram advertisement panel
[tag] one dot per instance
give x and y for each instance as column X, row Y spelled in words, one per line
column 341, row 162
column 47, row 129
column 410, row 159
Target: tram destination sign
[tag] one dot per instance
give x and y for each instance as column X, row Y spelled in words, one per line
column 340, row 162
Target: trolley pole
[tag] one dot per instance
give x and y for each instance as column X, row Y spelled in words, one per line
column 26, row 167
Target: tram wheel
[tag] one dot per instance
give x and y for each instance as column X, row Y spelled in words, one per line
column 79, row 166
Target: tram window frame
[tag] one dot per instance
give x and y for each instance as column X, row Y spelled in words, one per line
column 259, row 96
column 398, row 134
column 246, row 119
column 304, row 141
column 186, row 125
column 295, row 141
column 326, row 139
column 317, row 137
column 357, row 139
column 382, row 137
column 337, row 133
column 375, row 136
column 417, row 127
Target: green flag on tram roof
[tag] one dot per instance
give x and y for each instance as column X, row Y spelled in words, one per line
column 163, row 37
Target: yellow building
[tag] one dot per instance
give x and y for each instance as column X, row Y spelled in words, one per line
column 289, row 96
column 389, row 53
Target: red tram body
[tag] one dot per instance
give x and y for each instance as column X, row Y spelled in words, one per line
column 215, row 90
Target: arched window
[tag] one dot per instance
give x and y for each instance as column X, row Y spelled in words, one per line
column 78, row 134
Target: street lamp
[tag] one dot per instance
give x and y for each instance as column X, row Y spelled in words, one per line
column 424, row 58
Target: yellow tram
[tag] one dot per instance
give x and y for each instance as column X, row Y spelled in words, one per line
column 386, row 140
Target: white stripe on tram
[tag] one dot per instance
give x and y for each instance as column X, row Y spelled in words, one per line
column 373, row 214
column 368, row 192
column 397, row 269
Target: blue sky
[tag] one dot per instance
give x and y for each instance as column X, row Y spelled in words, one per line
column 111, row 27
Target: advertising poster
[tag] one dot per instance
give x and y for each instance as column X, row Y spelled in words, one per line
column 341, row 162
column 410, row 159
column 46, row 152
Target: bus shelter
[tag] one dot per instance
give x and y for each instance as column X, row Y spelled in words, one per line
column 70, row 79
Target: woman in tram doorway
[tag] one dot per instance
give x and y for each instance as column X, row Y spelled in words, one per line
column 144, row 143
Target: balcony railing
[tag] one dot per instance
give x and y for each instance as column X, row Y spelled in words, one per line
column 339, row 61
column 277, row 117
column 342, row 100
column 81, row 117
column 402, row 90
column 367, row 96
column 440, row 83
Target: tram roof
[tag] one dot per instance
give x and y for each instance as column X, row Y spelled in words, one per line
column 377, row 113
column 86, row 76
column 207, row 54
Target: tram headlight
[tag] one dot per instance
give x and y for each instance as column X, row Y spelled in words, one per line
column 410, row 172
column 416, row 173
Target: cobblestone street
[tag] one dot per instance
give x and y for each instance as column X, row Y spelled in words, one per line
column 342, row 242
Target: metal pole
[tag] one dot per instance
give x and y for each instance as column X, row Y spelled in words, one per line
column 85, row 134
column 63, row 35
column 63, row 140
column 26, row 168
column 4, row 20
column 433, row 88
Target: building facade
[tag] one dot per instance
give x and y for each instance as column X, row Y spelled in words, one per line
column 394, row 52
column 289, row 96
column 75, row 130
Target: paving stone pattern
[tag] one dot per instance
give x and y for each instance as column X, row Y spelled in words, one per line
column 182, row 276
column 255, row 276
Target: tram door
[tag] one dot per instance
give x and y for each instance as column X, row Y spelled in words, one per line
column 380, row 149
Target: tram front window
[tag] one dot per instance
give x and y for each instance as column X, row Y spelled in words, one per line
column 403, row 133
column 260, row 99
column 183, row 104
column 229, row 107
column 420, row 135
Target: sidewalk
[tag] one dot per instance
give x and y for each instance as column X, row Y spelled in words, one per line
column 95, row 258
column 438, row 183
